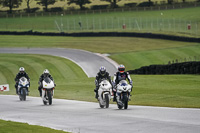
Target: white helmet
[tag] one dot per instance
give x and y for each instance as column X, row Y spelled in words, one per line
column 46, row 71
column 21, row 69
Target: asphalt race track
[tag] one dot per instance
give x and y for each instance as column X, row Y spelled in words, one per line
column 87, row 117
column 88, row 61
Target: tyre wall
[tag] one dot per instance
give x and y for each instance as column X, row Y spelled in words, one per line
column 107, row 34
column 176, row 68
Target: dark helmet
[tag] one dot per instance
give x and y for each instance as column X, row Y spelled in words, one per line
column 121, row 68
column 102, row 70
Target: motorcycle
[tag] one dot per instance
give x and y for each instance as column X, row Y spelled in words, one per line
column 47, row 90
column 123, row 94
column 104, row 92
column 23, row 86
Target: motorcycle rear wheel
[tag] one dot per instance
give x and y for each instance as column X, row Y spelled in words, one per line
column 101, row 106
column 119, row 106
column 45, row 103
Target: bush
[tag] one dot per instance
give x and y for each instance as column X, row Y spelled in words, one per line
column 56, row 9
column 130, row 5
column 97, row 7
column 145, row 4
column 192, row 67
column 32, row 10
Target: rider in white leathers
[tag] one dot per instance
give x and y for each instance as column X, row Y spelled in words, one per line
column 102, row 74
column 44, row 75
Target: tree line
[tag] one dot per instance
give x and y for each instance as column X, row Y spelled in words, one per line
column 45, row 3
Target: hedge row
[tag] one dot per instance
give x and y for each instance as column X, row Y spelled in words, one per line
column 107, row 34
column 177, row 68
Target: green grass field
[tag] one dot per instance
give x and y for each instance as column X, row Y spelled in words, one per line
column 111, row 45
column 173, row 22
column 140, row 52
column 134, row 60
column 16, row 127
column 132, row 52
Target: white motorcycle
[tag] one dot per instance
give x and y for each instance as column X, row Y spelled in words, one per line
column 47, row 90
column 104, row 92
column 23, row 86
column 123, row 94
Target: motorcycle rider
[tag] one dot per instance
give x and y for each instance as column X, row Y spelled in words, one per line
column 121, row 75
column 102, row 74
column 20, row 74
column 44, row 75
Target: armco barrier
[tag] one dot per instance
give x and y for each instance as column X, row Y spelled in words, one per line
column 176, row 68
column 107, row 34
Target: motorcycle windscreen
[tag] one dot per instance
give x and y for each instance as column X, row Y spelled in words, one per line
column 47, row 80
column 23, row 79
column 123, row 83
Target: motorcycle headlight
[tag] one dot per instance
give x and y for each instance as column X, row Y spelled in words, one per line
column 124, row 88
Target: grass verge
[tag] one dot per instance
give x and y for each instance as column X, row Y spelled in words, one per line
column 111, row 45
column 16, row 127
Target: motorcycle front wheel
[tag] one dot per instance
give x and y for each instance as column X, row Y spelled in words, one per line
column 125, row 99
column 107, row 100
column 22, row 95
column 49, row 97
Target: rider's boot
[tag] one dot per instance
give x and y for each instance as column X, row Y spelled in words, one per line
column 27, row 91
column 114, row 98
column 96, row 93
column 129, row 97
column 96, row 96
column 40, row 91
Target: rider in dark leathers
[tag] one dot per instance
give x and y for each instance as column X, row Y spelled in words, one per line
column 20, row 74
column 44, row 75
column 121, row 75
column 102, row 74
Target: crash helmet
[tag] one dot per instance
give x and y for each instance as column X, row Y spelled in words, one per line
column 121, row 68
column 102, row 70
column 46, row 72
column 21, row 69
